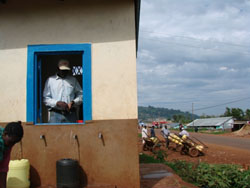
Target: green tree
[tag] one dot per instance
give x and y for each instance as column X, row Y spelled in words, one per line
column 228, row 112
column 237, row 113
column 247, row 114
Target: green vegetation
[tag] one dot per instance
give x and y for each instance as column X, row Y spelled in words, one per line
column 215, row 132
column 206, row 175
column 212, row 175
column 143, row 158
column 151, row 113
column 207, row 131
column 139, row 135
column 238, row 113
column 158, row 157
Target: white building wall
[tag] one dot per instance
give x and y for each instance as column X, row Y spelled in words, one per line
column 229, row 124
column 108, row 25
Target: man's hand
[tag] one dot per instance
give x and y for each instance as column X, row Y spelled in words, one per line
column 71, row 104
column 62, row 105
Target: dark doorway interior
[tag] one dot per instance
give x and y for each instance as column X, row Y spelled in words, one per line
column 48, row 67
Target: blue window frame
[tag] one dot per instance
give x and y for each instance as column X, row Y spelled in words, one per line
column 33, row 76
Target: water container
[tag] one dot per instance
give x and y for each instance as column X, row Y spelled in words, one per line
column 18, row 175
column 67, row 173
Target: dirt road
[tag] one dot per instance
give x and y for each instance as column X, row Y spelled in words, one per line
column 230, row 141
column 241, row 143
column 227, row 149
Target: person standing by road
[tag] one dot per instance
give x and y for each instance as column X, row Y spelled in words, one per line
column 144, row 133
column 152, row 131
column 62, row 95
column 181, row 127
column 183, row 132
column 166, row 133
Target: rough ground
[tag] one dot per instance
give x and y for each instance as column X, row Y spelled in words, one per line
column 172, row 181
column 222, row 149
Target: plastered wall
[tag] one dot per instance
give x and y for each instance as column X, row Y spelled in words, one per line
column 112, row 160
column 107, row 24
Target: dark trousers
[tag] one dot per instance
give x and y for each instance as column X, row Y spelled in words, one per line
column 167, row 142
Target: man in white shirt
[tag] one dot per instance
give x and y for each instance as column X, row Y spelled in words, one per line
column 165, row 132
column 144, row 133
column 62, row 94
column 183, row 132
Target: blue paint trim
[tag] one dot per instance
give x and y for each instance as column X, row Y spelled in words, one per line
column 86, row 84
column 35, row 89
column 33, row 50
column 30, row 86
column 61, row 124
column 39, row 69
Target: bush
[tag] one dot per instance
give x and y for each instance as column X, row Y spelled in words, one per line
column 139, row 135
column 211, row 175
column 143, row 158
column 160, row 155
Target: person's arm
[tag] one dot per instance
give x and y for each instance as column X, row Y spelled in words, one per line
column 47, row 96
column 3, row 176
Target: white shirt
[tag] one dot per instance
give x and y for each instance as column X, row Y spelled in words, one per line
column 144, row 133
column 62, row 89
column 165, row 132
column 184, row 132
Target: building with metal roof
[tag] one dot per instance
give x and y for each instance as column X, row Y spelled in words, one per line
column 220, row 122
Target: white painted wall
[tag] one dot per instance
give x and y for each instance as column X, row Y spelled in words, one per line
column 108, row 25
column 229, row 124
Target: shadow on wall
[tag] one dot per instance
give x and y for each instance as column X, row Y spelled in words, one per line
column 56, row 22
column 35, row 180
column 83, row 177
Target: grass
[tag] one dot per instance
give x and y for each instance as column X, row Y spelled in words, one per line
column 212, row 175
column 143, row 158
column 206, row 175
column 139, row 135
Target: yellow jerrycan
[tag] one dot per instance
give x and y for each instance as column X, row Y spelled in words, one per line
column 18, row 175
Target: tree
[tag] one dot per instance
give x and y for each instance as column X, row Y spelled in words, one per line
column 247, row 114
column 237, row 113
column 228, row 112
column 179, row 118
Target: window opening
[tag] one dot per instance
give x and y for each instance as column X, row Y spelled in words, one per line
column 42, row 63
column 47, row 67
column 77, row 70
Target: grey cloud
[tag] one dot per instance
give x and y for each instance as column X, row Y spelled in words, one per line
column 193, row 51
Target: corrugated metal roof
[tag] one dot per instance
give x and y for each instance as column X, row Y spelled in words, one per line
column 210, row 122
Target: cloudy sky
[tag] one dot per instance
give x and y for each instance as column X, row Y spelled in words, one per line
column 194, row 51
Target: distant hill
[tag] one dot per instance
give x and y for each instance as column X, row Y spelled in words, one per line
column 151, row 113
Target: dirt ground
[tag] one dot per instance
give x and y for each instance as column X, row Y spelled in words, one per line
column 172, row 181
column 214, row 154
